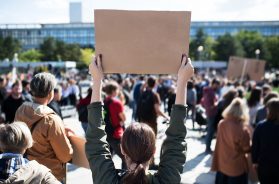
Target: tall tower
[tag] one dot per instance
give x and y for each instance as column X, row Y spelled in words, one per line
column 75, row 12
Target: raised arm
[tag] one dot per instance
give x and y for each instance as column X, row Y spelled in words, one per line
column 97, row 148
column 96, row 71
column 173, row 153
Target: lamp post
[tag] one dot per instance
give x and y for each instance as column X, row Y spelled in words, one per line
column 257, row 52
column 199, row 49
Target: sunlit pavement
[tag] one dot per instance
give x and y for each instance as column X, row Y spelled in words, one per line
column 196, row 169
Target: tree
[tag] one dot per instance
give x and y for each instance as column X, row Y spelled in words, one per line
column 272, row 44
column 72, row 53
column 251, row 41
column 226, row 46
column 8, row 47
column 205, row 43
column 86, row 56
column 30, row 55
column 48, row 48
column 54, row 50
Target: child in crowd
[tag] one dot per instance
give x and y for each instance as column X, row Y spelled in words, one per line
column 15, row 138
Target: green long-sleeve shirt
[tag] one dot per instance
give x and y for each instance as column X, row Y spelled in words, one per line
column 173, row 153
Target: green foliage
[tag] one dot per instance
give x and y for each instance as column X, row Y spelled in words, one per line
column 30, row 55
column 272, row 44
column 251, row 41
column 8, row 47
column 206, row 42
column 54, row 50
column 86, row 56
column 49, row 48
column 276, row 89
column 226, row 46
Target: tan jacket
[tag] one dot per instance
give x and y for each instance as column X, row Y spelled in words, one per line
column 51, row 146
column 32, row 173
column 233, row 142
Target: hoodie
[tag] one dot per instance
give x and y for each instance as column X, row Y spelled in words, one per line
column 209, row 101
column 32, row 173
column 51, row 146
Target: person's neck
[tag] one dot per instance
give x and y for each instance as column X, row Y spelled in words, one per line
column 16, row 96
column 41, row 101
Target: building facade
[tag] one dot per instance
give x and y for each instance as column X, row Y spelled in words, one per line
column 32, row 35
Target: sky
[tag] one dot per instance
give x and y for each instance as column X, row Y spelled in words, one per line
column 57, row 11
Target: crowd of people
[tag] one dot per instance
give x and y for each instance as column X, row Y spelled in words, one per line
column 242, row 115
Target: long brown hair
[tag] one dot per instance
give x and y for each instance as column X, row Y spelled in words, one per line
column 138, row 143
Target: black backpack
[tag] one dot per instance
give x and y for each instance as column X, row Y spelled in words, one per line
column 145, row 106
column 109, row 128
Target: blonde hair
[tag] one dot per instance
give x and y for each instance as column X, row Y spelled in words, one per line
column 15, row 137
column 238, row 110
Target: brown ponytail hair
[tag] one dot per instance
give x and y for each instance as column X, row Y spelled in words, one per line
column 138, row 143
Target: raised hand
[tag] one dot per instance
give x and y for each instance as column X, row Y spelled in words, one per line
column 185, row 71
column 95, row 69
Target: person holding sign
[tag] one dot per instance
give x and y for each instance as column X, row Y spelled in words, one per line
column 138, row 141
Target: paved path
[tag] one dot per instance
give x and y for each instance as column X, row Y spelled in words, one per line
column 196, row 169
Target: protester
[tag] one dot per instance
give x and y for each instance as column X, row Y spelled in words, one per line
column 52, row 148
column 136, row 94
column 209, row 102
column 12, row 102
column 233, row 142
column 54, row 104
column 262, row 111
column 148, row 107
column 138, row 141
column 82, row 109
column 26, row 90
column 265, row 147
column 224, row 103
column 3, row 91
column 114, row 118
column 15, row 138
column 192, row 101
column 254, row 102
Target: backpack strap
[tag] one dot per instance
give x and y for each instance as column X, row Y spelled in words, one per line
column 34, row 125
column 31, row 130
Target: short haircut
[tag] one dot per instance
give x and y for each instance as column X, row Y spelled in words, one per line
column 273, row 106
column 58, row 89
column 151, row 81
column 25, row 83
column 270, row 96
column 42, row 84
column 111, row 87
column 216, row 81
column 15, row 137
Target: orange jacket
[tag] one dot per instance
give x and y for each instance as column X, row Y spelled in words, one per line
column 233, row 142
column 51, row 146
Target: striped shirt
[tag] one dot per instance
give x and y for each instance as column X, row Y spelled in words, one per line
column 10, row 163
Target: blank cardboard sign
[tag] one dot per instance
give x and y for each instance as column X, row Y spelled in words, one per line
column 141, row 42
column 251, row 68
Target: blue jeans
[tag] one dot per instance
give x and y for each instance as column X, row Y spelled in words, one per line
column 224, row 179
column 210, row 132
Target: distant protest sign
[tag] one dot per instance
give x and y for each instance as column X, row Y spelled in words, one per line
column 244, row 68
column 142, row 42
column 79, row 157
